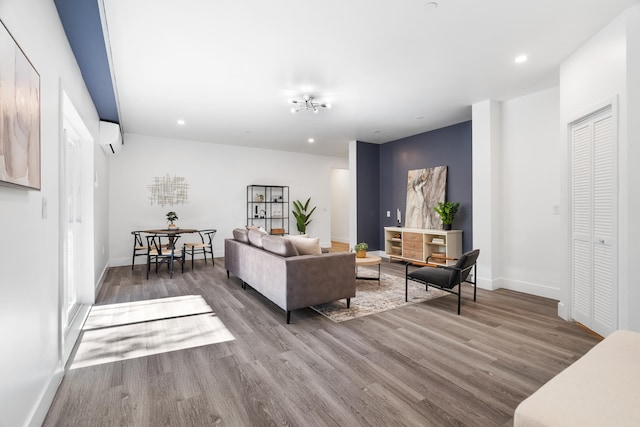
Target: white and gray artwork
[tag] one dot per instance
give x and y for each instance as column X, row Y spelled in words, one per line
column 19, row 116
column 425, row 188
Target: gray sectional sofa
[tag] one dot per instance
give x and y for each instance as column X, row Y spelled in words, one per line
column 272, row 266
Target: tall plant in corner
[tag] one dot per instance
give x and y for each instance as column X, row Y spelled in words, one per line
column 302, row 214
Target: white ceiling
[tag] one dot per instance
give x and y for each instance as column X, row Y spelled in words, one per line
column 229, row 67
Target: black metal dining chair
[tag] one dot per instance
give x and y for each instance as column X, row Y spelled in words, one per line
column 139, row 247
column 163, row 249
column 446, row 277
column 205, row 246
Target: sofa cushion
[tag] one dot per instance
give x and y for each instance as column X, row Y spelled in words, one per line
column 255, row 237
column 241, row 235
column 255, row 227
column 307, row 245
column 279, row 246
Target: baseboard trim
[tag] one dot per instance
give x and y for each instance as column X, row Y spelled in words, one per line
column 530, row 288
column 41, row 409
column 100, row 281
column 121, row 262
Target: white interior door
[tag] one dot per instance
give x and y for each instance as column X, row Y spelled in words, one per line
column 72, row 214
column 594, row 207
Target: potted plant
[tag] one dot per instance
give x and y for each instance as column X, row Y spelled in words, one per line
column 447, row 212
column 303, row 218
column 171, row 216
column 361, row 249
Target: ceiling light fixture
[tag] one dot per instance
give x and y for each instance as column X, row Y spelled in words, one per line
column 520, row 59
column 181, row 122
column 311, row 140
column 307, row 103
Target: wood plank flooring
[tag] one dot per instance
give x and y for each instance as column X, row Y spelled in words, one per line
column 421, row 365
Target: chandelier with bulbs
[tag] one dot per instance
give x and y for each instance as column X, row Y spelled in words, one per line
column 307, row 103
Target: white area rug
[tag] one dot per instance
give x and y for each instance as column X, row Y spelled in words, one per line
column 372, row 298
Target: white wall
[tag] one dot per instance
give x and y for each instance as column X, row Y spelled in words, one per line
column 486, row 153
column 340, row 205
column 608, row 67
column 531, row 172
column 218, row 176
column 30, row 360
column 101, row 214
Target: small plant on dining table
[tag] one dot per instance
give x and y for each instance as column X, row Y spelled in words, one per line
column 171, row 216
column 361, row 249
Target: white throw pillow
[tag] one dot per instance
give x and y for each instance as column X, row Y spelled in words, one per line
column 307, row 245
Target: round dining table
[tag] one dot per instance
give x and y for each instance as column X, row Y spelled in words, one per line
column 174, row 231
column 171, row 232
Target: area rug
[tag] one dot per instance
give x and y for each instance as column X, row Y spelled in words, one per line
column 372, row 298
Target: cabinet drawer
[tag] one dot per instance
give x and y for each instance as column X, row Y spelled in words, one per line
column 417, row 246
column 413, row 254
column 412, row 237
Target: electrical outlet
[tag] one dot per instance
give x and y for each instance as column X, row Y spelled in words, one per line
column 388, row 214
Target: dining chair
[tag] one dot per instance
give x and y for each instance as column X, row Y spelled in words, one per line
column 205, row 246
column 163, row 249
column 139, row 248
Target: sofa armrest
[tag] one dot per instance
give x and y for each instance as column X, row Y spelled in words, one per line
column 317, row 279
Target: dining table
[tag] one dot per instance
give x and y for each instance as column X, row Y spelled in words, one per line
column 171, row 232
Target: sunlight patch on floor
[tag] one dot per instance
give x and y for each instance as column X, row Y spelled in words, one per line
column 124, row 331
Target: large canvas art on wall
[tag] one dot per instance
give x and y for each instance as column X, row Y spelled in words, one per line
column 19, row 115
column 425, row 188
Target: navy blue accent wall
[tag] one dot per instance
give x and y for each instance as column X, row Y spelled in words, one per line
column 449, row 146
column 368, row 182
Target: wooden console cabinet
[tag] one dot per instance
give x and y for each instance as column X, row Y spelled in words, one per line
column 417, row 244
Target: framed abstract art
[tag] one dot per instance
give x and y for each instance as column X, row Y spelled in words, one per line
column 425, row 188
column 19, row 116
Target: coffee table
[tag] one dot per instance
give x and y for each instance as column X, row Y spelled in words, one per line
column 368, row 260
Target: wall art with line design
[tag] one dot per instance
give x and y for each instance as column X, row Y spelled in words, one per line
column 19, row 116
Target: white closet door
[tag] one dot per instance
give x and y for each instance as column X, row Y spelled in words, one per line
column 594, row 191
column 605, row 206
column 582, row 222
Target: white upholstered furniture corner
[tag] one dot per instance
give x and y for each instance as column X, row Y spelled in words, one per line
column 602, row 388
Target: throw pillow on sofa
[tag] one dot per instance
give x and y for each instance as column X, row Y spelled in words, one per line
column 255, row 237
column 241, row 235
column 279, row 246
column 307, row 245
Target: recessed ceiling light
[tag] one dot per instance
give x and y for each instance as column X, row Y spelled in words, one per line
column 180, row 122
column 520, row 59
column 311, row 140
column 419, row 117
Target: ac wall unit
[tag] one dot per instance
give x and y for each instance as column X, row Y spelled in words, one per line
column 110, row 137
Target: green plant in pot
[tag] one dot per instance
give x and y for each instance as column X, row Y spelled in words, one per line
column 447, row 212
column 171, row 217
column 302, row 214
column 361, row 249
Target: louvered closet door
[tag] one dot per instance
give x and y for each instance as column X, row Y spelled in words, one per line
column 594, row 189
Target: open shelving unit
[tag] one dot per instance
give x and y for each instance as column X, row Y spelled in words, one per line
column 268, row 207
column 418, row 244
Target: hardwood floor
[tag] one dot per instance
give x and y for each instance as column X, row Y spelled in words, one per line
column 418, row 365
